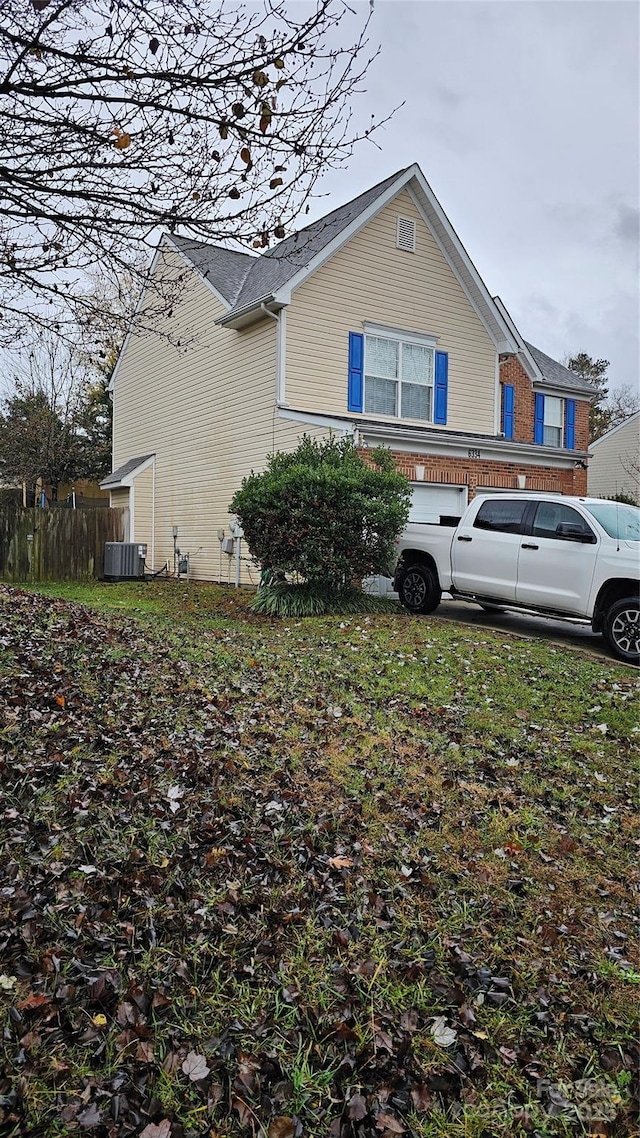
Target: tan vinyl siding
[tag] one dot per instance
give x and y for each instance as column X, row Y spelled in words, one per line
column 143, row 494
column 206, row 411
column 371, row 280
column 120, row 498
column 615, row 465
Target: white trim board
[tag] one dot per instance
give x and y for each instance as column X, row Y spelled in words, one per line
column 446, row 238
column 414, row 441
column 129, row 478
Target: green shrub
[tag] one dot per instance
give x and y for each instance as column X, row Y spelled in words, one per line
column 285, row 599
column 625, row 499
column 322, row 515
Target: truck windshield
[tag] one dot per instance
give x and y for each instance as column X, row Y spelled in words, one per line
column 620, row 521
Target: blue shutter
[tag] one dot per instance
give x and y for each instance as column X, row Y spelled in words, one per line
column 356, row 363
column 570, row 424
column 508, row 403
column 442, row 379
column 538, row 434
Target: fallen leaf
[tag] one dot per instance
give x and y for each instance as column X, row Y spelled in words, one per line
column 282, row 1127
column 443, row 1035
column 390, row 1123
column 90, row 1117
column 195, row 1066
column 340, row 862
column 420, row 1097
column 174, row 794
column 356, row 1107
column 34, row 1000
column 157, row 1129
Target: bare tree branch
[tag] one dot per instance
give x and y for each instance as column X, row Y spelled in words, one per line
column 121, row 120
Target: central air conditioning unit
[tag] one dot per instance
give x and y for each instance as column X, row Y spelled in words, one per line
column 124, row 560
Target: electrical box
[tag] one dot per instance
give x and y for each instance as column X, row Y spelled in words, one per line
column 227, row 545
column 124, row 560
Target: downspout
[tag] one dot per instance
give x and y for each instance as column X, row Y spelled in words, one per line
column 280, row 319
column 153, row 515
column 497, row 409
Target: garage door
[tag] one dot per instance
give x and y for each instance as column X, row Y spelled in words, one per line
column 430, row 500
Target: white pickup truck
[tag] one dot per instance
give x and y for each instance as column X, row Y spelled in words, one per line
column 567, row 558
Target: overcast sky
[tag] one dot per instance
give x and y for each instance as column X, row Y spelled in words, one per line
column 524, row 117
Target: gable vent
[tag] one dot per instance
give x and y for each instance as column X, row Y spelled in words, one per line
column 406, row 234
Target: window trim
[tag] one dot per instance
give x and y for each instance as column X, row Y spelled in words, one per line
column 554, row 426
column 385, row 331
column 419, row 339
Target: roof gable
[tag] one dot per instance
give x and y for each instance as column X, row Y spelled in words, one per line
column 248, row 282
column 541, row 368
column 280, row 265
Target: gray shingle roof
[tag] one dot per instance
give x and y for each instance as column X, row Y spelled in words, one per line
column 227, row 269
column 271, row 271
column 116, row 476
column 557, row 375
column 245, row 280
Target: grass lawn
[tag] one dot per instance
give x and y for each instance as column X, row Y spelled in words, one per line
column 339, row 877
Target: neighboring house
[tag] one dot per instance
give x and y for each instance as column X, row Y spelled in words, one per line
column 371, row 322
column 615, row 463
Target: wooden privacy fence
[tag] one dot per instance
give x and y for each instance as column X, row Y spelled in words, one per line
column 56, row 545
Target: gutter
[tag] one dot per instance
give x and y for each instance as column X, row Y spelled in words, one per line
column 505, row 446
column 432, row 442
column 239, row 313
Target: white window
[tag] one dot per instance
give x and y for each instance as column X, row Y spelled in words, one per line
column 398, row 377
column 553, row 421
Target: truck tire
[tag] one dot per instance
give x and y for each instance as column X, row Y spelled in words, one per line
column 419, row 589
column 621, row 629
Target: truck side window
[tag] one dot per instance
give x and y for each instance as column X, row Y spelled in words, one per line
column 505, row 517
column 548, row 516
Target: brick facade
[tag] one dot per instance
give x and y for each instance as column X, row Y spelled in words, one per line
column 512, row 371
column 494, row 474
column 473, row 473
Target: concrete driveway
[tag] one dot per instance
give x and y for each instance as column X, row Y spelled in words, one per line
column 538, row 628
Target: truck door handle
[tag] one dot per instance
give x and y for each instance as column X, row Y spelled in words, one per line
column 529, row 545
column 465, row 538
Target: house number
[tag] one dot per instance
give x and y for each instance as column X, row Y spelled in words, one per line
column 474, row 453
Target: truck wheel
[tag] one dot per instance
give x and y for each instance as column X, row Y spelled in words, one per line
column 419, row 590
column 621, row 629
